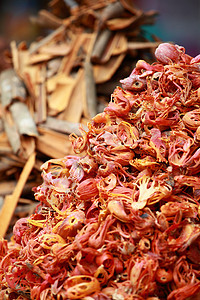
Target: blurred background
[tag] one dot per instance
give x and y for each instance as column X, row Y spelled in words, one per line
column 178, row 21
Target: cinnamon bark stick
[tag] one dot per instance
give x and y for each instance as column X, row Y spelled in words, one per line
column 100, row 45
column 112, row 10
column 142, row 45
column 91, row 95
column 41, row 101
column 61, row 125
column 23, row 119
column 12, row 87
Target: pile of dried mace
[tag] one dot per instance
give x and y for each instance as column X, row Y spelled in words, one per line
column 120, row 221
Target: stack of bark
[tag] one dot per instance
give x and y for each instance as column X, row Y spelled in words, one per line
column 58, row 83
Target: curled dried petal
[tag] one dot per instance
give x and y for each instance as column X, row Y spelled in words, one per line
column 192, row 119
column 70, row 225
column 80, row 286
column 107, row 260
column 116, row 208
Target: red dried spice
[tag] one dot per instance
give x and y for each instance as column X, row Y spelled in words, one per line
column 122, row 220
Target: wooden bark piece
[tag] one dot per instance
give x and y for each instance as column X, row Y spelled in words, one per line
column 116, row 46
column 129, row 5
column 142, row 45
column 12, row 132
column 91, row 96
column 56, row 49
column 39, row 58
column 41, row 100
column 61, row 125
column 68, row 62
column 11, row 200
column 53, row 144
column 123, row 23
column 23, row 119
column 5, row 147
column 60, row 97
column 27, row 146
column 46, row 19
column 75, row 107
column 15, row 55
column 112, row 10
column 104, row 72
column 11, row 87
column 100, row 45
column 29, row 73
column 6, row 187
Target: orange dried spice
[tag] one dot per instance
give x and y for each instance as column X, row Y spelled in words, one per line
column 122, row 220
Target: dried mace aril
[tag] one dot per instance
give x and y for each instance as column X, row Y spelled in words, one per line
column 122, row 220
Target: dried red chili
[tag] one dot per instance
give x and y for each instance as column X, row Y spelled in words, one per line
column 122, row 221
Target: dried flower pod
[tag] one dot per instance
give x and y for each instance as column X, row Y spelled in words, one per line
column 96, row 240
column 125, row 216
column 133, row 83
column 70, row 225
column 109, row 291
column 163, row 275
column 87, row 189
column 102, row 275
column 195, row 60
column 48, row 240
column 170, row 209
column 119, row 266
column 107, row 260
column 80, row 286
column 20, row 227
column 144, row 244
column 192, row 119
column 167, row 53
column 142, row 273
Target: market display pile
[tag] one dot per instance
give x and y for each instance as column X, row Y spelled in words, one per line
column 120, row 220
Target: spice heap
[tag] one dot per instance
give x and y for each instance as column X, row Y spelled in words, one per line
column 61, row 79
column 122, row 220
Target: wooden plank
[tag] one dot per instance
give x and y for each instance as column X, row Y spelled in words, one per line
column 11, row 200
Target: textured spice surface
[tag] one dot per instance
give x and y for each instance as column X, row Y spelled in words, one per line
column 60, row 79
column 122, row 220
